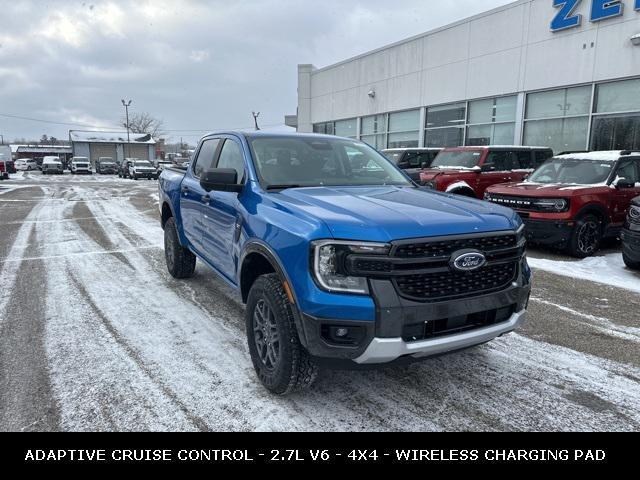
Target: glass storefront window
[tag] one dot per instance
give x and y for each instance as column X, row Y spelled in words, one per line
column 447, row 115
column 374, row 124
column 324, row 128
column 559, row 103
column 444, row 137
column 404, row 121
column 403, row 140
column 568, row 134
column 494, row 134
column 618, row 97
column 493, row 110
column 376, row 141
column 616, row 133
column 346, row 128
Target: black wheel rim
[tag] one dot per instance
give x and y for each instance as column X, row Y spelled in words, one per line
column 588, row 237
column 266, row 335
column 169, row 252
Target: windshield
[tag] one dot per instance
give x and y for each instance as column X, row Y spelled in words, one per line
column 464, row 159
column 309, row 162
column 575, row 172
column 142, row 164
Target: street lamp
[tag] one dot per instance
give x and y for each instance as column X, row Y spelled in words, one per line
column 126, row 109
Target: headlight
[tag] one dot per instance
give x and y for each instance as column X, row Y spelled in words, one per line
column 552, row 204
column 328, row 257
column 634, row 214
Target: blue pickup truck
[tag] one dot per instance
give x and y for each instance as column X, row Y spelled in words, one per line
column 341, row 260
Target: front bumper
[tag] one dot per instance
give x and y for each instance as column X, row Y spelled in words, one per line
column 391, row 336
column 548, row 232
column 631, row 244
column 385, row 350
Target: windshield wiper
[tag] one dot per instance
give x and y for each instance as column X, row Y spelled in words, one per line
column 281, row 187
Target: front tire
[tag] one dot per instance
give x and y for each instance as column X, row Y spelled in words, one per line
column 281, row 363
column 630, row 263
column 181, row 263
column 586, row 237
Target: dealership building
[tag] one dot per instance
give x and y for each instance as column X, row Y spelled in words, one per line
column 564, row 74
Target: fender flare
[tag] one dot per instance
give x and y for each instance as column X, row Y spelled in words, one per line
column 260, row 247
column 595, row 207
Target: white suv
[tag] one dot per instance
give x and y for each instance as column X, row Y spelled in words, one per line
column 80, row 165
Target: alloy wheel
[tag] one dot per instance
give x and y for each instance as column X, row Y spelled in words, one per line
column 266, row 335
column 588, row 237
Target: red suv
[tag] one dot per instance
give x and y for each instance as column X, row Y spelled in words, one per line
column 4, row 174
column 469, row 171
column 574, row 201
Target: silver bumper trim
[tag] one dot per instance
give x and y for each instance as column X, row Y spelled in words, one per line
column 385, row 350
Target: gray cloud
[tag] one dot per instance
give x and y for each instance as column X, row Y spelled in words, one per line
column 197, row 64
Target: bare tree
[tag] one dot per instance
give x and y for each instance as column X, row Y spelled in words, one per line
column 145, row 123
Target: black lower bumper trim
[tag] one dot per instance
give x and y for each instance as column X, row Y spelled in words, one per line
column 548, row 232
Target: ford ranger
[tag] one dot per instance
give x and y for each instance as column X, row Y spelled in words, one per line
column 574, row 200
column 340, row 259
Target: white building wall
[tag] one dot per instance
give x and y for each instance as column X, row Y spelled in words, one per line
column 505, row 51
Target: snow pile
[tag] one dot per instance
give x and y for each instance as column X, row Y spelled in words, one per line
column 608, row 269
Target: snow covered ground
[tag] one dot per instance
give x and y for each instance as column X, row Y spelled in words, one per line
column 97, row 336
column 608, row 269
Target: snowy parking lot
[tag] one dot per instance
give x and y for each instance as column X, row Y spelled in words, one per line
column 95, row 335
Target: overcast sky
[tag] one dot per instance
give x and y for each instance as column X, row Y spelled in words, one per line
column 198, row 64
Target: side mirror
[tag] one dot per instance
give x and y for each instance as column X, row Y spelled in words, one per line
column 220, row 180
column 623, row 183
column 425, row 165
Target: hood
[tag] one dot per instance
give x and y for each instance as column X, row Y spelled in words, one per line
column 384, row 214
column 431, row 173
column 544, row 190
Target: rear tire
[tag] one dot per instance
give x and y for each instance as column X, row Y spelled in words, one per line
column 586, row 237
column 630, row 263
column 280, row 361
column 181, row 263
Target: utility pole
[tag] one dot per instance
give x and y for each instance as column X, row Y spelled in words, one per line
column 1, row 139
column 126, row 109
column 255, row 119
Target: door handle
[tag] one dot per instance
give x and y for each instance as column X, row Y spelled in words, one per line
column 185, row 190
column 205, row 199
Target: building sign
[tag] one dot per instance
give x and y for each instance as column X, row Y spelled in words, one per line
column 600, row 10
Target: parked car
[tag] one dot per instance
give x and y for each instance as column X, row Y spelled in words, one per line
column 342, row 265
column 52, row 165
column 574, row 201
column 142, row 169
column 469, row 171
column 106, row 165
column 26, row 164
column 5, row 160
column 412, row 160
column 81, row 165
column 631, row 236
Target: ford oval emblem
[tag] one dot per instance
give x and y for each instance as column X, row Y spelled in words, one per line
column 469, row 261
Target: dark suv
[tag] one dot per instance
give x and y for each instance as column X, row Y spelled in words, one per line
column 469, row 171
column 412, row 160
column 631, row 236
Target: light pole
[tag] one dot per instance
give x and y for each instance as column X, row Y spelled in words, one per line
column 126, row 109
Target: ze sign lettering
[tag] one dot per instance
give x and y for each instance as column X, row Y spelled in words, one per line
column 600, row 10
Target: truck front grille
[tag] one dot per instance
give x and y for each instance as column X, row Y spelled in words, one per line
column 447, row 247
column 447, row 284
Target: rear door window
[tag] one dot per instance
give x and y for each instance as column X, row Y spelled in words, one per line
column 524, row 161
